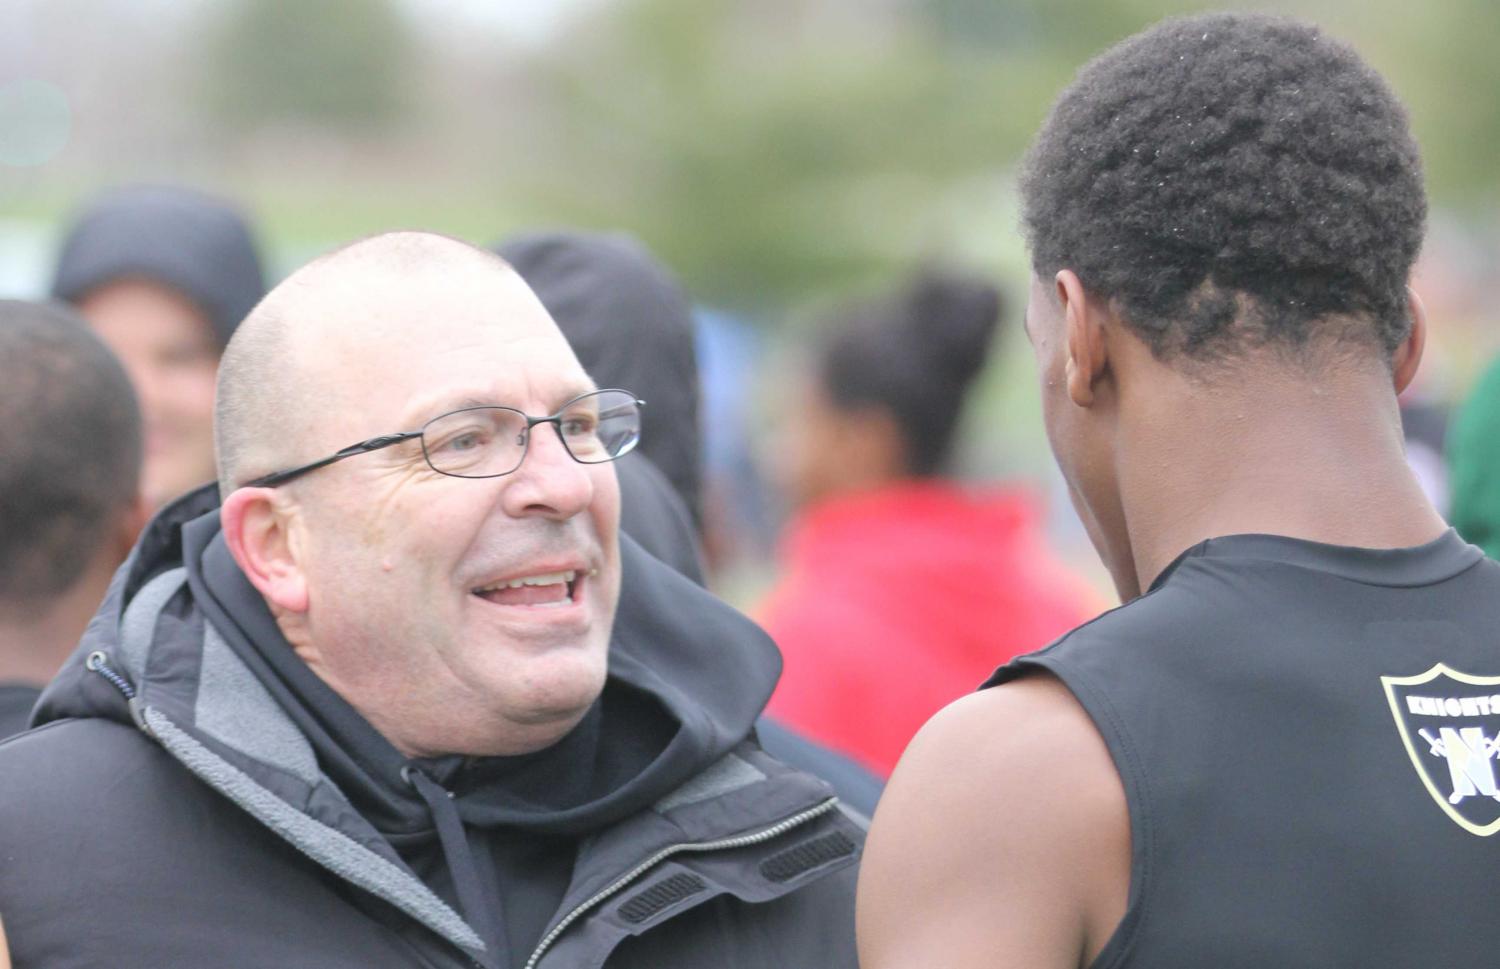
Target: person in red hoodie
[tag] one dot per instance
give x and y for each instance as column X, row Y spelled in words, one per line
column 902, row 589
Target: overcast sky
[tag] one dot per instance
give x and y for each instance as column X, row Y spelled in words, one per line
column 524, row 21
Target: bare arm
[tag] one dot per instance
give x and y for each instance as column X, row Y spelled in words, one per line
column 1002, row 839
column 4, row 950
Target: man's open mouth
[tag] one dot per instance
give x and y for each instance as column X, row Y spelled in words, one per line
column 544, row 590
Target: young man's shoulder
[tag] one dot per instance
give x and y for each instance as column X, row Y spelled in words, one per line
column 1005, row 818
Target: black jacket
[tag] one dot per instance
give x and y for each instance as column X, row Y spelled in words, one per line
column 184, row 803
column 16, row 701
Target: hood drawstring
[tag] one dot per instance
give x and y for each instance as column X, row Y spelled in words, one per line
column 480, row 912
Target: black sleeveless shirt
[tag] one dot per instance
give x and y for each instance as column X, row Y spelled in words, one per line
column 1309, row 741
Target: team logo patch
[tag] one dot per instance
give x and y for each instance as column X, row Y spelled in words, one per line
column 1450, row 723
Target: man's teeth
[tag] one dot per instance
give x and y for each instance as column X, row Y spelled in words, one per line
column 545, row 578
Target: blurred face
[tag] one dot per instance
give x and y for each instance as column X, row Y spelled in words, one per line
column 459, row 615
column 811, row 434
column 169, row 349
column 825, row 450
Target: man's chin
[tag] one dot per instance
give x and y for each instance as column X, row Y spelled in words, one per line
column 539, row 682
column 544, row 710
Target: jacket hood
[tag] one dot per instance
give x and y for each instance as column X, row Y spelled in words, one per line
column 632, row 327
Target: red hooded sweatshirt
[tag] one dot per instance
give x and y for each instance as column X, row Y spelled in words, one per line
column 894, row 603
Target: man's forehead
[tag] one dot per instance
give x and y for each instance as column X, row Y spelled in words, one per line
column 443, row 337
column 371, row 312
column 504, row 367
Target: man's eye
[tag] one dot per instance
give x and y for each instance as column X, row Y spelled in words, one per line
column 580, row 426
column 467, row 441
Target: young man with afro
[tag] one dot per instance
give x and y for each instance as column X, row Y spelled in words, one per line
column 1280, row 751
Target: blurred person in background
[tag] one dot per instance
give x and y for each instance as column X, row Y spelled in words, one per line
column 70, row 460
column 739, row 527
column 1474, row 464
column 164, row 275
column 631, row 324
column 901, row 588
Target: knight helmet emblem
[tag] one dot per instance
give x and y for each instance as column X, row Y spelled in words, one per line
column 1450, row 724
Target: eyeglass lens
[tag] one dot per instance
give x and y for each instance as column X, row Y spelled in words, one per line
column 479, row 442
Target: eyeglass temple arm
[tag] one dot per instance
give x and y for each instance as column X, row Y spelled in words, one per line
column 373, row 444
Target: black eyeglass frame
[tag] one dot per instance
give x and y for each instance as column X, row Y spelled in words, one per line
column 276, row 478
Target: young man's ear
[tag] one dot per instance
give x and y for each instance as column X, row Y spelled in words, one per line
column 1408, row 356
column 1088, row 356
column 257, row 529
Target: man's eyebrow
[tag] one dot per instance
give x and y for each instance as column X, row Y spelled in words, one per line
column 436, row 407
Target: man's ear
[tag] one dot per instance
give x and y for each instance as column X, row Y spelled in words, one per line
column 1087, row 352
column 1408, row 356
column 257, row 528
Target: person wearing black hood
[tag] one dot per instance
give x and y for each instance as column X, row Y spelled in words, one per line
column 414, row 701
column 631, row 325
column 164, row 275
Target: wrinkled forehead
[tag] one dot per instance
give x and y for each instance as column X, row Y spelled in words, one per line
column 399, row 348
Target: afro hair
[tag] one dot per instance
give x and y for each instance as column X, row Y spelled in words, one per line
column 1231, row 180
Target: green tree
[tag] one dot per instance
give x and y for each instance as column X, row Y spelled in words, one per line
column 772, row 152
column 333, row 62
column 763, row 162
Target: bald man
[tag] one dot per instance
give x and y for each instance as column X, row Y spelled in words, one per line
column 398, row 693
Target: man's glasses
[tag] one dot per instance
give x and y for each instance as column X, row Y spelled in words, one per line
column 486, row 442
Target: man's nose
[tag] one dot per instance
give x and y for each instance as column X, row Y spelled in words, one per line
column 548, row 482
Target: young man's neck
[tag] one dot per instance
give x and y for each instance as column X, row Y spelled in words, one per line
column 1281, row 453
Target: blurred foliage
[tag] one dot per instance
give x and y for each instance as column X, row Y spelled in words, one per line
column 763, row 162
column 774, row 152
column 1444, row 61
column 334, row 62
